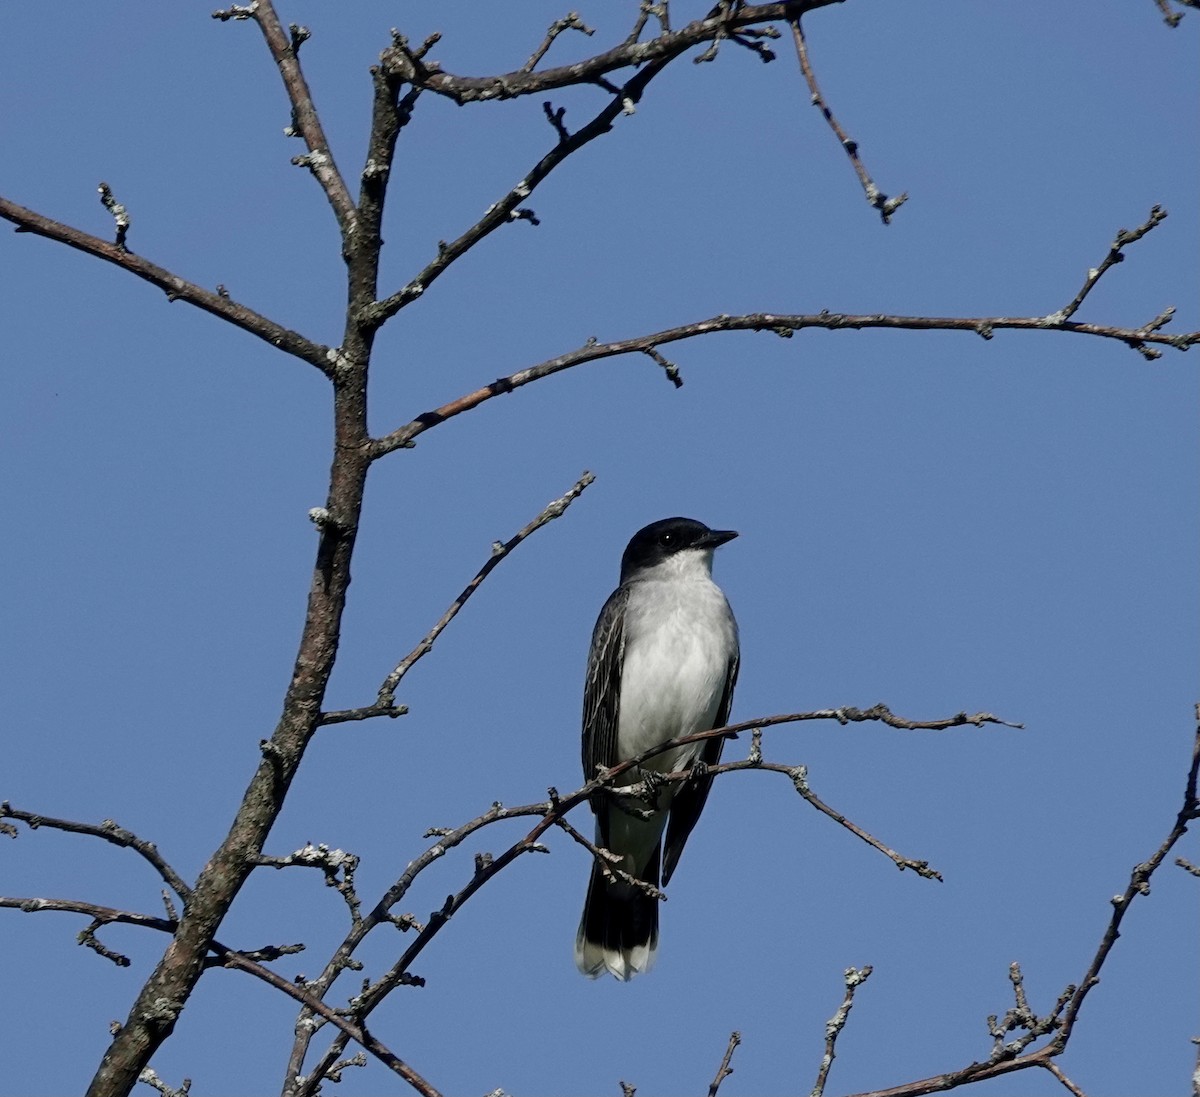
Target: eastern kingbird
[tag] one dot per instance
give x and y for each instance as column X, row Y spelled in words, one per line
column 663, row 663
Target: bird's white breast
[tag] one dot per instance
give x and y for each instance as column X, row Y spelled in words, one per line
column 680, row 635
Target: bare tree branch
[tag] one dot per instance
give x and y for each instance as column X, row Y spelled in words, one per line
column 110, row 832
column 1116, row 254
column 610, row 862
column 508, row 207
column 647, row 8
column 176, row 288
column 99, row 914
column 285, row 52
column 149, row 1078
column 1171, row 17
column 854, row 978
column 785, row 326
column 385, row 704
column 724, row 1070
column 1068, row 1085
column 1006, row 1059
column 120, row 214
column 875, row 197
column 570, row 21
column 724, row 20
column 250, row 962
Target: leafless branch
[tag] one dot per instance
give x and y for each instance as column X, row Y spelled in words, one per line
column 1171, row 17
column 875, row 197
column 781, row 325
column 352, row 1031
column 555, row 118
column 724, row 1070
column 149, row 1078
column 285, row 52
column 101, row 915
column 385, row 704
column 1008, row 1058
column 506, row 208
column 799, row 778
column 110, row 832
column 648, row 8
column 120, row 214
column 854, row 978
column 1070, row 1086
column 250, row 962
column 337, row 865
column 724, row 20
column 1187, row 865
column 1116, row 254
column 176, row 288
column 609, row 862
column 570, row 21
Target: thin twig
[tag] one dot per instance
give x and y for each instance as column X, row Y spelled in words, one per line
column 610, row 862
column 508, row 207
column 149, row 1078
column 1171, row 17
column 877, row 199
column 336, row 865
column 570, row 21
column 120, row 214
column 647, row 8
column 176, row 288
column 1115, row 255
column 781, row 325
column 306, row 122
column 386, row 702
column 724, row 1070
column 110, row 832
column 854, row 978
column 1070, row 1086
column 1187, row 865
column 250, row 962
column 1069, row 1005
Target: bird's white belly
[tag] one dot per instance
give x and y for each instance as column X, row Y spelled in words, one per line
column 673, row 679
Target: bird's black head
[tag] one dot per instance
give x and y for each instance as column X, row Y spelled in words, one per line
column 663, row 539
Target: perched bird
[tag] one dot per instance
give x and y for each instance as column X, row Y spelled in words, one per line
column 663, row 663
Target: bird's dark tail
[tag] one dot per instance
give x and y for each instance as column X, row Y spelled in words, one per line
column 619, row 928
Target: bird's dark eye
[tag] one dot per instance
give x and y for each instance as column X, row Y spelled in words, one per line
column 667, row 540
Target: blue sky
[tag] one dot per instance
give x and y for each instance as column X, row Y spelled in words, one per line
column 929, row 520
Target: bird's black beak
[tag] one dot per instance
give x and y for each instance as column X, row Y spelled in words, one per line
column 716, row 537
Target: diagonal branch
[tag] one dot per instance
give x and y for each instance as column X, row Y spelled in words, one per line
column 251, row 963
column 782, row 325
column 1064, row 1018
column 854, row 978
column 109, row 831
column 508, row 207
column 348, row 1028
column 306, row 122
column 877, row 199
column 570, row 21
column 385, row 704
column 176, row 288
column 724, row 20
column 724, row 1070
column 1116, row 254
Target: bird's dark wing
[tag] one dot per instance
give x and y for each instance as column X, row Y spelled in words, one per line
column 602, row 691
column 689, row 800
